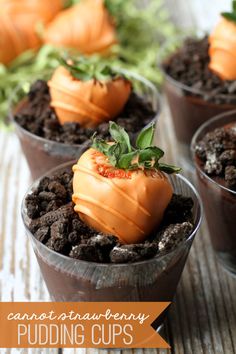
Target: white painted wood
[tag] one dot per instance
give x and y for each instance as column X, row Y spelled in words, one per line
column 197, row 14
column 20, row 278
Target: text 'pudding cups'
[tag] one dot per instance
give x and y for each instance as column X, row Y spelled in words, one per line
column 219, row 201
column 155, row 279
column 43, row 154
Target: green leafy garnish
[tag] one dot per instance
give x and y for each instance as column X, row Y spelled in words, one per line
column 231, row 16
column 145, row 138
column 90, row 68
column 121, row 154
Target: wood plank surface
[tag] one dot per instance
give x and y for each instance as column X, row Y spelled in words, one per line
column 199, row 15
column 203, row 318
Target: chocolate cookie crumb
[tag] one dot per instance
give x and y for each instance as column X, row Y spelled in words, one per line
column 59, row 228
column 66, row 211
column 133, row 253
column 74, row 238
column 123, row 254
column 178, row 210
column 60, row 245
column 173, row 235
column 217, row 154
column 87, row 253
column 230, row 176
column 43, row 234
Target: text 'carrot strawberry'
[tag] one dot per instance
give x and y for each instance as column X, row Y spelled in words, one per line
column 223, row 46
column 88, row 93
column 122, row 190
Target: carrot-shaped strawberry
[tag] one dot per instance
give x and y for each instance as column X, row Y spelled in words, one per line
column 121, row 190
column 87, row 93
column 19, row 21
column 223, row 46
column 42, row 9
column 86, row 27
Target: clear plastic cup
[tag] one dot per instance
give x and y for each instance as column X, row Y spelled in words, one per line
column 189, row 107
column 219, row 201
column 44, row 154
column 156, row 279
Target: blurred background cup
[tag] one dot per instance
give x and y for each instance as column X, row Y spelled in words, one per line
column 43, row 154
column 156, row 279
column 219, row 201
column 189, row 107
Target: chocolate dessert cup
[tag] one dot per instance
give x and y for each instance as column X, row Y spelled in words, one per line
column 219, row 201
column 190, row 106
column 155, row 279
column 43, row 154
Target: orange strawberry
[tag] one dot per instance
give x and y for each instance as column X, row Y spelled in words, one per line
column 120, row 190
column 86, row 26
column 81, row 93
column 222, row 50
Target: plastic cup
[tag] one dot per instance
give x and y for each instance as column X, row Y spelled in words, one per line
column 44, row 154
column 219, row 202
column 156, row 279
column 189, row 107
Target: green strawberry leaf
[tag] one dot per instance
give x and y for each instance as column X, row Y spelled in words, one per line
column 114, row 152
column 122, row 155
column 100, row 145
column 90, row 68
column 145, row 137
column 231, row 16
column 152, row 153
column 120, row 136
column 169, row 169
column 234, row 6
column 126, row 161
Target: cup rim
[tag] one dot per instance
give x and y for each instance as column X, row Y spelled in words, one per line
column 160, row 64
column 114, row 265
column 132, row 74
column 198, row 132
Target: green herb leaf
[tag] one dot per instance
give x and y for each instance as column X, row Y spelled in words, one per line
column 229, row 16
column 100, row 145
column 145, row 137
column 152, row 153
column 114, row 152
column 126, row 161
column 234, row 5
column 169, row 169
column 120, row 136
column 122, row 155
column 90, row 68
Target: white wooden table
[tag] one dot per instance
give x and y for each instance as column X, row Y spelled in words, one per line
column 197, row 14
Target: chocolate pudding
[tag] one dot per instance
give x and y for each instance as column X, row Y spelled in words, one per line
column 80, row 264
column 46, row 143
column 194, row 93
column 214, row 152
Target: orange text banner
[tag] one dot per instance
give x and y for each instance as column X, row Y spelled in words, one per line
column 80, row 324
